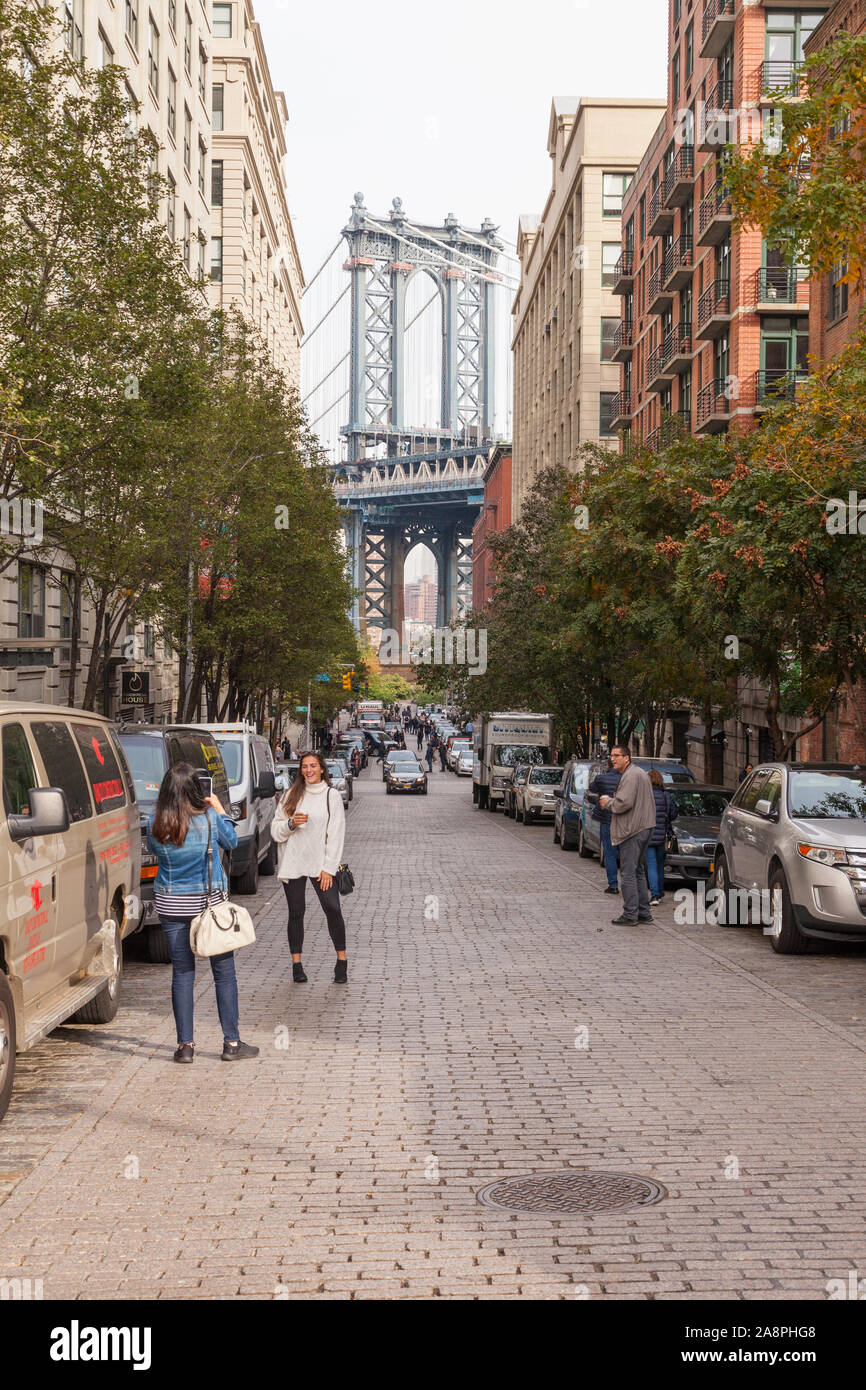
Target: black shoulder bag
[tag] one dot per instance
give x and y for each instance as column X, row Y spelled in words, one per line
column 344, row 877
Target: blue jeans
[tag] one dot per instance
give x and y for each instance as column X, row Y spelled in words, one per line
column 183, row 981
column 655, row 868
column 611, row 854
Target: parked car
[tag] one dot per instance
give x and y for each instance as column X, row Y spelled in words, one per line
column 151, row 749
column 798, row 832
column 406, row 775
column 521, row 772
column 70, row 862
column 353, row 738
column 534, row 796
column 249, row 764
column 346, row 770
column 691, row 843
column 285, row 774
column 674, row 773
column 456, row 743
column 465, row 762
column 338, row 781
column 396, row 755
column 568, row 802
column 394, row 730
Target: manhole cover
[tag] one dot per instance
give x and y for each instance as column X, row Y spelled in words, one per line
column 571, row 1191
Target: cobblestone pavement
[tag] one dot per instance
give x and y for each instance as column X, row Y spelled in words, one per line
column 345, row 1162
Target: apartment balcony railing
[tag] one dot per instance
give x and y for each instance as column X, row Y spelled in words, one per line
column 658, row 376
column 678, row 264
column 677, row 349
column 779, row 79
column 680, row 177
column 623, row 341
column 715, row 215
column 621, row 410
column 717, row 27
column 673, row 427
column 780, row 287
column 660, row 218
column 714, row 309
column 716, row 404
column 658, row 298
column 713, row 123
column 623, row 273
column 774, row 385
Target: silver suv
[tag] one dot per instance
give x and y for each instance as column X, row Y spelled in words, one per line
column 796, row 833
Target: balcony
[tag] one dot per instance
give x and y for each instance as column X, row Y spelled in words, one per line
column 779, row 80
column 660, row 218
column 621, row 410
column 623, row 273
column 680, row 177
column 782, row 289
column 714, row 310
column 715, row 217
column 674, row 427
column 715, row 407
column 623, row 341
column 713, row 122
column 775, row 385
column 658, row 376
column 678, row 264
column 658, row 298
column 677, row 349
column 717, row 28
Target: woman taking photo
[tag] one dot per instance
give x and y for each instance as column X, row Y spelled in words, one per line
column 310, row 825
column 177, row 833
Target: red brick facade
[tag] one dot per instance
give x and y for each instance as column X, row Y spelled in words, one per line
column 495, row 516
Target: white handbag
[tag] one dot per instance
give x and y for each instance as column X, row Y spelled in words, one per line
column 223, row 927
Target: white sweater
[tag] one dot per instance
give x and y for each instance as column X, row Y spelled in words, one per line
column 303, row 852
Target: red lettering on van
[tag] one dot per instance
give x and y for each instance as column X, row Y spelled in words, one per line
column 97, row 750
column 36, row 958
column 104, row 791
column 36, row 893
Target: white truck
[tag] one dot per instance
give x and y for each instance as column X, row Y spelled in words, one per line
column 501, row 742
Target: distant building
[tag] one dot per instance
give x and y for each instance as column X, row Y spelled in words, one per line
column 495, row 516
column 421, row 600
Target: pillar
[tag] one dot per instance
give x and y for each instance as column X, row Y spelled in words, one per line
column 453, row 283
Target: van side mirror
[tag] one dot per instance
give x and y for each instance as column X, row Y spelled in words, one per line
column 49, row 815
column 267, row 784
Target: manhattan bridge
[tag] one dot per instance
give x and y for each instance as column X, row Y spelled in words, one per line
column 406, row 369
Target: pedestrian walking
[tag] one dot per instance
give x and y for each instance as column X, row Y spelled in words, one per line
column 310, row 824
column 443, row 755
column 420, row 737
column 605, row 784
column 429, row 755
column 177, row 834
column 666, row 814
column 633, row 817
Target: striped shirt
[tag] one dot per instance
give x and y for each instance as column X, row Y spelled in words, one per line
column 173, row 906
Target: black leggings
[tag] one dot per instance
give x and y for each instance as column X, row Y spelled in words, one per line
column 296, row 895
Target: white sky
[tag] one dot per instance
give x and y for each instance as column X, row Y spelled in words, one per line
column 444, row 105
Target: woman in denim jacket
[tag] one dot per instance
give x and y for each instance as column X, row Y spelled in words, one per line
column 177, row 833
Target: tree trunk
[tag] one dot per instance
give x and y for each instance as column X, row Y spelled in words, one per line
column 708, row 740
column 74, row 636
column 95, row 666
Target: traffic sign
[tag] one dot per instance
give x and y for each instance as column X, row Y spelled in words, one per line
column 300, row 709
column 323, row 678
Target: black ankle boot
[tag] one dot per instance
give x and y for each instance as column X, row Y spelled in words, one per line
column 298, row 973
column 341, row 974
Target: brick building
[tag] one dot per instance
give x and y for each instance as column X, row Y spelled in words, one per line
column 495, row 516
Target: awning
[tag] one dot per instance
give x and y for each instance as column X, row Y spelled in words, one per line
column 696, row 733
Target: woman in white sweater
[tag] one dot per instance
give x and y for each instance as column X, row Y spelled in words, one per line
column 310, row 824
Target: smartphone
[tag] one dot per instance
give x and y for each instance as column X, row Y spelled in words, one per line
column 205, row 781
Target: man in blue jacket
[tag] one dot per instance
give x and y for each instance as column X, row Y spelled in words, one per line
column 605, row 784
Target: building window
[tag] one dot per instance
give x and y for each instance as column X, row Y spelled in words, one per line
column 187, row 140
column 605, row 411
column 106, row 52
column 67, row 591
column 131, row 117
column 31, row 601
column 690, row 50
column 217, row 106
column 171, row 102
column 187, row 41
column 132, row 22
column 221, row 22
column 216, row 184
column 73, row 29
column 149, row 642
column 610, row 254
column 202, row 74
column 153, row 55
column 187, row 240
column 202, row 166
column 200, row 268
column 216, row 258
column 675, row 88
column 838, row 291
column 613, row 190
column 171, row 195
column 608, row 333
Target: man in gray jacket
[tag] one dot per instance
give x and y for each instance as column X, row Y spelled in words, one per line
column 633, row 817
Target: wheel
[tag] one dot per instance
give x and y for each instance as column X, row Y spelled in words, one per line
column 269, row 863
column 564, row 842
column 786, row 937
column 248, row 883
column 491, row 805
column 555, row 832
column 389, row 789
column 518, row 814
column 730, row 914
column 583, row 850
column 157, row 947
column 102, row 1008
column 423, row 791
column 7, row 1045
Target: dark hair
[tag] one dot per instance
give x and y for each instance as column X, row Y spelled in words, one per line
column 623, row 748
column 298, row 787
column 180, row 798
column 656, row 777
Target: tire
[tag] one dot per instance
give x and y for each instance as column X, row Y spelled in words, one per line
column 7, row 1044
column 581, row 845
column 157, row 947
column 518, row 814
column 722, row 881
column 491, row 805
column 102, row 1008
column 248, row 883
column 388, row 789
column 786, row 938
column 565, row 843
column 268, row 865
column 556, row 832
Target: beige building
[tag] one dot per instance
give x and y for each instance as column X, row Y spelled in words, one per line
column 254, row 261
column 565, row 314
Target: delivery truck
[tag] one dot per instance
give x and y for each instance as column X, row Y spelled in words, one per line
column 501, row 742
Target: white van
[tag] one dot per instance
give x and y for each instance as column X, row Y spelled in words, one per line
column 70, row 862
column 249, row 765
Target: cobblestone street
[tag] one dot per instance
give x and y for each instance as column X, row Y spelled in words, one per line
column 345, row 1162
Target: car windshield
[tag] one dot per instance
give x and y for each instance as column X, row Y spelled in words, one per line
column 147, row 763
column 510, row 754
column 546, row 776
column 233, row 757
column 399, row 755
column 580, row 779
column 690, row 802
column 827, row 795
column 334, row 769
column 466, row 755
